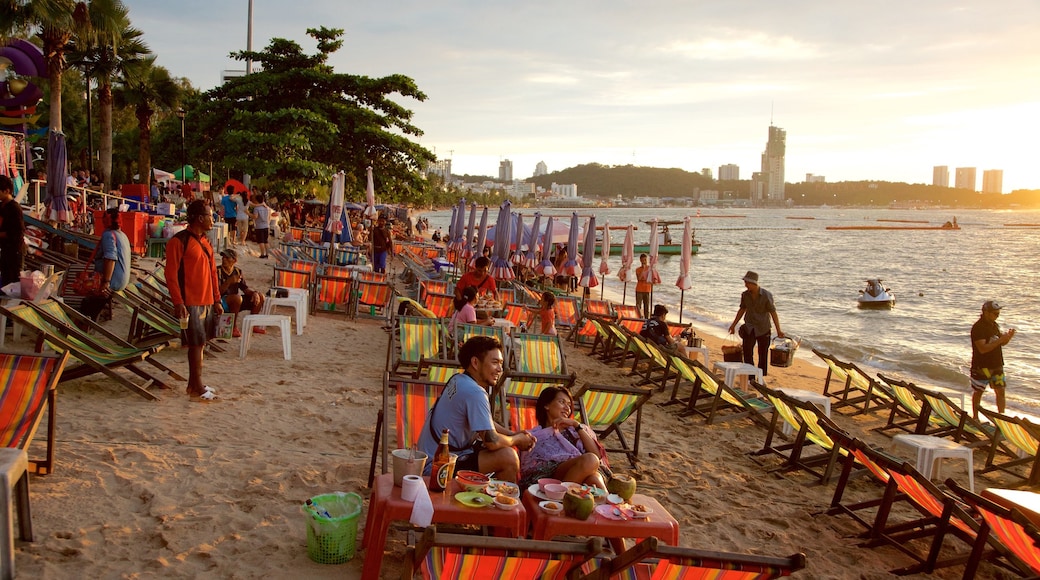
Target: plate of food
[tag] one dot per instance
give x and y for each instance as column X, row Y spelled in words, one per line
column 496, row 487
column 537, row 492
column 474, row 499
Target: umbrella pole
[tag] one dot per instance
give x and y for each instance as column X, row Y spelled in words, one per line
column 682, row 299
column 601, row 289
column 624, row 293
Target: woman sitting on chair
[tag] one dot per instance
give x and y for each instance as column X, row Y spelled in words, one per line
column 566, row 449
column 229, row 276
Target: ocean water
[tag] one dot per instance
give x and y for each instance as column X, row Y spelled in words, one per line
column 940, row 279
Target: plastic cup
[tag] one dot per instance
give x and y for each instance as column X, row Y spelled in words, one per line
column 184, row 322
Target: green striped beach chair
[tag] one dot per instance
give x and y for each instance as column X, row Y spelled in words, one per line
column 719, row 396
column 418, row 338
column 606, row 408
column 539, row 353
column 1023, row 437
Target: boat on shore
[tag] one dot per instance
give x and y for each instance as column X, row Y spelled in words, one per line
column 876, row 296
column 663, row 248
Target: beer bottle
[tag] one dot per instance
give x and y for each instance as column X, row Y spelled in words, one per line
column 440, row 471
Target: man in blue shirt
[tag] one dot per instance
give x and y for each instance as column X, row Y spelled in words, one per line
column 112, row 261
column 465, row 410
column 230, row 213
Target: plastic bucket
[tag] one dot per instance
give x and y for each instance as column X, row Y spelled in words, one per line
column 405, row 464
column 332, row 526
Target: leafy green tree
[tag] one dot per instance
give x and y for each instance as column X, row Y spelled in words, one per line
column 297, row 120
column 148, row 89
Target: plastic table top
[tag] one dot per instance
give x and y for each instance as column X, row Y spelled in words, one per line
column 386, row 506
column 1027, row 502
column 660, row 523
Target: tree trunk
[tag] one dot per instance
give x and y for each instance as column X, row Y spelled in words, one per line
column 54, row 77
column 105, row 122
column 144, row 153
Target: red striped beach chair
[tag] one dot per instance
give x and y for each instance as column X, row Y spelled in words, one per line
column 305, row 266
column 333, row 270
column 290, row 278
column 442, row 305
column 371, row 298
column 877, row 464
column 627, row 311
column 516, row 313
column 373, row 276
column 567, row 312
column 413, row 399
column 1007, row 530
column 332, row 294
column 652, row 560
column 506, row 295
column 28, row 383
column 435, row 287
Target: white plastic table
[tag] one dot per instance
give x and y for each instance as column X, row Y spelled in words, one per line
column 820, row 400
column 931, row 449
column 733, row 370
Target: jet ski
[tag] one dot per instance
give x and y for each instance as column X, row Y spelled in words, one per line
column 876, row 295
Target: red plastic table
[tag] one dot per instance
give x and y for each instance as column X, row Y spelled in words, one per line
column 385, row 506
column 660, row 523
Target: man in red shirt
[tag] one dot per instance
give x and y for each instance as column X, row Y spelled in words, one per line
column 479, row 278
column 191, row 275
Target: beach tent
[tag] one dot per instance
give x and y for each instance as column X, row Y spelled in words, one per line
column 192, row 173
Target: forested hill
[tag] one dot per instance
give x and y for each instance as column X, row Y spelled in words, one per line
column 595, row 180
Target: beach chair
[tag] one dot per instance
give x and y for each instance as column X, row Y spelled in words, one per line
column 506, row 295
column 812, row 427
column 439, row 556
column 652, row 560
column 847, row 387
column 441, row 305
column 538, row 354
column 417, row 338
column 611, row 343
column 464, row 332
column 28, row 384
column 628, row 311
column 908, row 412
column 373, row 277
column 515, row 313
column 413, row 399
column 290, row 278
column 332, row 294
column 338, row 271
column 309, row 266
column 371, row 299
column 519, row 392
column 719, row 397
column 649, row 360
column 941, row 515
column 1009, row 532
column 92, row 356
column 567, row 310
column 875, row 394
column 606, row 408
column 1023, row 439
column 437, row 370
column 149, row 325
column 876, row 463
column 958, row 423
column 435, row 287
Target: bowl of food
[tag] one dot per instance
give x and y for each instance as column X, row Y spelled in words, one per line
column 505, row 502
column 551, row 507
column 472, row 480
column 504, row 488
column 641, row 511
column 554, row 491
column 547, row 481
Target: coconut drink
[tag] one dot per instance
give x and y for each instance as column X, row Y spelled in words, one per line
column 578, row 503
column 623, row 485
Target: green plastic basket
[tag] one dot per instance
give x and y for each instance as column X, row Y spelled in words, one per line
column 332, row 540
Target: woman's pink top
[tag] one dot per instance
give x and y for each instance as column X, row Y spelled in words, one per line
column 467, row 315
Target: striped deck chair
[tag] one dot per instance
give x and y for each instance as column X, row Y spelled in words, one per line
column 464, row 332
column 413, row 399
column 295, row 233
column 289, row 278
column 539, row 354
column 567, row 312
column 1006, row 530
column 627, row 311
column 877, row 464
column 346, row 256
column 373, row 276
column 441, row 305
column 675, row 329
column 337, row 271
column 907, row 411
column 515, row 313
column 719, row 396
column 332, row 294
column 371, row 298
column 808, row 422
column 941, row 515
column 1023, row 438
column 149, row 325
column 519, row 392
column 417, row 338
column 506, row 295
column 452, row 556
column 652, row 560
column 308, row 266
column 875, row 394
column 848, row 391
column 437, row 370
column 962, row 426
column 585, row 332
column 613, row 342
column 435, row 287
column 526, row 294
column 28, row 385
column 656, row 367
column 606, row 408
column 91, row 357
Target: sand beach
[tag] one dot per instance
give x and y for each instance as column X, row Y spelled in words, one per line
column 175, row 489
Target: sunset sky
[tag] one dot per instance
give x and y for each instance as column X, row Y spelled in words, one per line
column 882, row 90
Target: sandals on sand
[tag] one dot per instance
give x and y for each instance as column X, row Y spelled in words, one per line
column 208, row 396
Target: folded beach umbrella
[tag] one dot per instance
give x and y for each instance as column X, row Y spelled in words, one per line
column 588, row 275
column 370, row 195
column 451, row 224
column 467, row 248
column 500, row 267
column 684, row 282
column 57, row 175
column 531, row 258
column 459, row 236
column 478, row 250
column 334, row 215
column 604, row 256
column 518, row 235
column 570, row 266
column 628, row 250
column 545, row 267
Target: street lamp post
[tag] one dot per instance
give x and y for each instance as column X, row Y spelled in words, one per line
column 184, row 158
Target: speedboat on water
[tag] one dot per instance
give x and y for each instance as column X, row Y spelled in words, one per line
column 876, row 295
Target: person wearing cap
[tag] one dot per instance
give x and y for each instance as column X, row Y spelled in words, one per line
column 112, row 262
column 756, row 308
column 231, row 282
column 987, row 357
column 191, row 275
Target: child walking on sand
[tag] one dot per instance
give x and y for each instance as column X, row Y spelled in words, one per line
column 545, row 313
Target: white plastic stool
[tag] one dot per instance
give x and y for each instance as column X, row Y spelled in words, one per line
column 252, row 321
column 14, row 468
column 701, row 350
column 300, row 303
column 734, row 370
column 931, row 449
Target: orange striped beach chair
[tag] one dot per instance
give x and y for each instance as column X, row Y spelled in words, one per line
column 306, row 266
column 876, row 463
column 371, row 298
column 413, row 399
column 435, row 287
column 652, row 560
column 296, row 233
column 332, row 294
column 373, row 276
column 567, row 312
column 290, row 278
column 339, row 271
column 1011, row 533
column 449, row 556
column 627, row 311
column 441, row 305
column 606, row 408
column 515, row 313
column 28, row 386
column 506, row 295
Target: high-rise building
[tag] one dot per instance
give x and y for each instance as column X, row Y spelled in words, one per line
column 541, row 169
column 706, row 172
column 441, row 167
column 729, row 172
column 569, row 190
column 773, row 164
column 965, row 178
column 505, row 171
column 941, row 176
column 993, row 181
column 811, row 178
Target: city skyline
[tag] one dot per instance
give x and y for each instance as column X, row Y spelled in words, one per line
column 881, row 93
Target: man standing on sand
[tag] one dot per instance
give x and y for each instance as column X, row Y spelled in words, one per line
column 382, row 244
column 12, row 234
column 987, row 357
column 464, row 409
column 644, row 286
column 756, row 306
column 230, row 207
column 191, row 275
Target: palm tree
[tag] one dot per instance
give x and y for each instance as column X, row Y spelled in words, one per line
column 148, row 89
column 103, row 60
column 56, row 22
